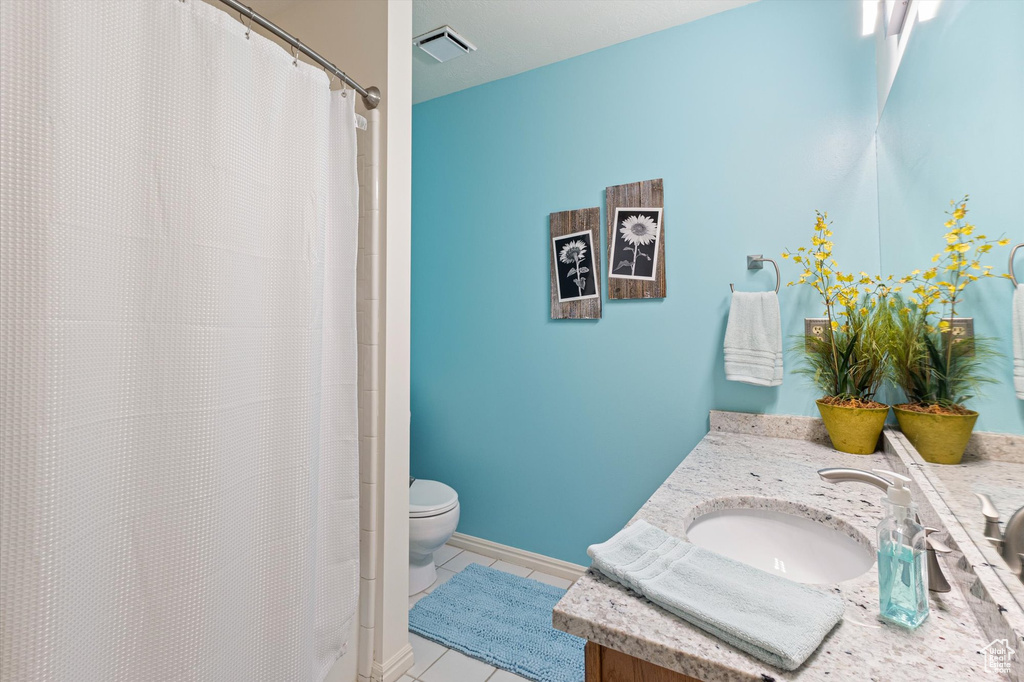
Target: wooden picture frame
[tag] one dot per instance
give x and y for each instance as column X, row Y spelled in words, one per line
column 649, row 194
column 575, row 245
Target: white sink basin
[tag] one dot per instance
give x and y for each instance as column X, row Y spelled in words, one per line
column 784, row 544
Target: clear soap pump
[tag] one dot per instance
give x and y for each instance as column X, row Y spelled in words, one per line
column 902, row 574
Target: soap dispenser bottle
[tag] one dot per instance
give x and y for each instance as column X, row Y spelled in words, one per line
column 902, row 574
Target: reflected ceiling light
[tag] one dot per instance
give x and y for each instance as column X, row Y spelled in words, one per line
column 870, row 18
column 927, row 9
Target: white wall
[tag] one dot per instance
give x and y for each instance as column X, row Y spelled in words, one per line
column 393, row 650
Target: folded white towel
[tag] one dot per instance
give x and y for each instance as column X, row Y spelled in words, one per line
column 753, row 339
column 1018, row 340
column 771, row 618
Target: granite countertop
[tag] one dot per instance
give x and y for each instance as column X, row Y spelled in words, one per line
column 780, row 473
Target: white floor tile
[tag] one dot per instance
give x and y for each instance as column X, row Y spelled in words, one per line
column 443, row 574
column 405, row 678
column 505, row 676
column 514, row 569
column 424, row 652
column 456, row 667
column 445, row 553
column 415, row 598
column 550, row 580
column 465, row 558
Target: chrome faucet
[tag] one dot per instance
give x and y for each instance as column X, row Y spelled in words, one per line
column 839, row 475
column 1011, row 543
column 936, row 580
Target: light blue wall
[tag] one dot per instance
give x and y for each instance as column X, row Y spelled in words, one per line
column 555, row 433
column 954, row 124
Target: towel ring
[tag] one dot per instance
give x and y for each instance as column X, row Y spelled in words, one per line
column 757, row 263
column 1009, row 267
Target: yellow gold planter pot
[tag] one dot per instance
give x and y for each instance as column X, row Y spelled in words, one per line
column 853, row 429
column 940, row 438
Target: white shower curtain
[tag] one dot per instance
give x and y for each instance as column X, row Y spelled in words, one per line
column 179, row 467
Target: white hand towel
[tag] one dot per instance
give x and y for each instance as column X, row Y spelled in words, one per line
column 1018, row 340
column 753, row 339
column 771, row 618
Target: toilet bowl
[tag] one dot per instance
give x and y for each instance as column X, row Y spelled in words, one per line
column 433, row 517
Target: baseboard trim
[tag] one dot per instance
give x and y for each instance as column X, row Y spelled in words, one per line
column 393, row 669
column 531, row 560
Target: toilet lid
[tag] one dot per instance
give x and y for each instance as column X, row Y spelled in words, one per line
column 428, row 498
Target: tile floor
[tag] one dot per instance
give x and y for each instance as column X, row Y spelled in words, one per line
column 435, row 663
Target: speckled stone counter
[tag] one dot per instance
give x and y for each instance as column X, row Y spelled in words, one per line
column 778, row 473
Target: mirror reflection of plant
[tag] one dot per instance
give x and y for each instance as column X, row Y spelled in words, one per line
column 930, row 365
column 573, row 254
column 929, row 369
column 848, row 364
column 956, row 267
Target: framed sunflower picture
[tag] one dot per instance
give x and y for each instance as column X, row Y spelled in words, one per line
column 636, row 235
column 635, row 223
column 575, row 264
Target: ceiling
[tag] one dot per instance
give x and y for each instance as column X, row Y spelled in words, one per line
column 513, row 36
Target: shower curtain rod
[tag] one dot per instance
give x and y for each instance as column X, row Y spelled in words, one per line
column 371, row 95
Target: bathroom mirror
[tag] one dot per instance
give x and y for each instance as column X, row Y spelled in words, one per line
column 949, row 125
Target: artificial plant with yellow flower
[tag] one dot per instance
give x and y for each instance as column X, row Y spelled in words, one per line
column 847, row 362
column 956, row 267
column 934, row 369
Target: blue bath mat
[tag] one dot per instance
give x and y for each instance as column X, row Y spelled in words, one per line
column 503, row 620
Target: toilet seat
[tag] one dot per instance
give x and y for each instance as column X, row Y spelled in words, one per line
column 430, row 498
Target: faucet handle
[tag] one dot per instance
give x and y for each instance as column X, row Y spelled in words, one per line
column 996, row 542
column 991, row 515
column 936, row 579
column 987, row 508
column 933, row 544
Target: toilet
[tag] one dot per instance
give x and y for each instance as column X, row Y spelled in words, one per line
column 433, row 516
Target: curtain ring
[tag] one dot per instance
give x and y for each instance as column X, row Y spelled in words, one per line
column 248, row 25
column 295, row 56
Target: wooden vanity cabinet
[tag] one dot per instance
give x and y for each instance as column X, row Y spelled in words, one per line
column 608, row 665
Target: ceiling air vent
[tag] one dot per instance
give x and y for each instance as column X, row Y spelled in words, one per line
column 443, row 44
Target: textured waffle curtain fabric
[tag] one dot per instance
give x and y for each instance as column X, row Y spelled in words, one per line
column 178, row 351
